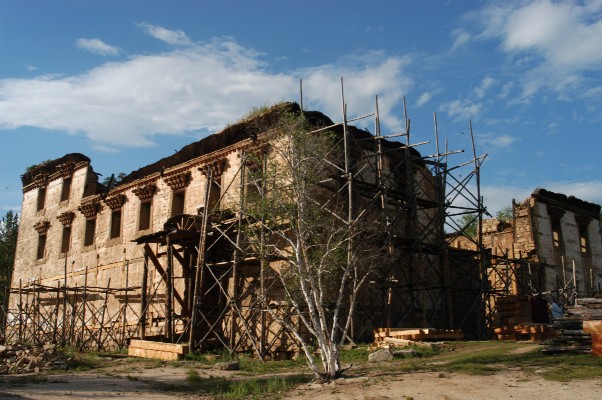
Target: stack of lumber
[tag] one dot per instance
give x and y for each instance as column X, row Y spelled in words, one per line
column 571, row 338
column 514, row 314
column 160, row 350
column 531, row 331
column 580, row 329
column 402, row 337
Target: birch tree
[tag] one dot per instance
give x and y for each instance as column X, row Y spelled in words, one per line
column 296, row 218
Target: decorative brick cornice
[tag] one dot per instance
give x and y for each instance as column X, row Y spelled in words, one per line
column 90, row 206
column 178, row 181
column 65, row 170
column 42, row 226
column 114, row 202
column 66, row 218
column 145, row 192
column 217, row 167
column 40, row 180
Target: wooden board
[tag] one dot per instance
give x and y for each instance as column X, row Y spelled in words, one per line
column 162, row 351
column 147, row 353
column 159, row 346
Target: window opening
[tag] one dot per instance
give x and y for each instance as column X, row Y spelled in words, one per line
column 41, row 198
column 66, row 189
column 41, row 246
column 115, row 224
column 66, row 241
column 144, row 218
column 90, row 232
column 177, row 203
column 215, row 194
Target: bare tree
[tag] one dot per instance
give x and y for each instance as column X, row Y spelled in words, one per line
column 296, row 223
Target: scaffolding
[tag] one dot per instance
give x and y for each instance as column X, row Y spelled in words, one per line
column 214, row 284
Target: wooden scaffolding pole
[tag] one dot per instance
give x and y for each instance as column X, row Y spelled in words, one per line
column 200, row 264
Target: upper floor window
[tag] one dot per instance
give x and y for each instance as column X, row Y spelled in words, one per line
column 115, row 231
column 145, row 194
column 178, row 184
column 41, row 246
column 90, row 232
column 66, row 189
column 115, row 203
column 144, row 217
column 215, row 193
column 41, row 198
column 66, row 240
column 177, row 203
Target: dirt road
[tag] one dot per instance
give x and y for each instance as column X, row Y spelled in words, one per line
column 416, row 386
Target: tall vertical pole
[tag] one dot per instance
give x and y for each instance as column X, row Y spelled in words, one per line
column 143, row 298
column 236, row 256
column 200, row 262
column 349, row 177
column 20, row 310
column 482, row 264
column 168, row 292
column 84, row 306
column 63, row 324
column 125, row 303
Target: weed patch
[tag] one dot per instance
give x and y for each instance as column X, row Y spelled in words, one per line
column 255, row 388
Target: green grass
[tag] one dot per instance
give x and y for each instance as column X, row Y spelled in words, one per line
column 485, row 358
column 253, row 388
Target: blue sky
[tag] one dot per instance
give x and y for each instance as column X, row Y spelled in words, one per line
column 130, row 82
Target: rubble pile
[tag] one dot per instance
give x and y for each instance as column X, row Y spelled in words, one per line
column 22, row 358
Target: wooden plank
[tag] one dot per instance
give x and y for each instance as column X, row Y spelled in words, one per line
column 404, row 343
column 159, row 346
column 593, row 326
column 147, row 353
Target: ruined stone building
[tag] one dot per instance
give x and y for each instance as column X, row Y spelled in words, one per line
column 95, row 267
column 557, row 240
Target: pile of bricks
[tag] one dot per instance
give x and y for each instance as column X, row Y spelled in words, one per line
column 21, row 358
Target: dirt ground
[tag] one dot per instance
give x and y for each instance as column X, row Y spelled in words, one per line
column 133, row 384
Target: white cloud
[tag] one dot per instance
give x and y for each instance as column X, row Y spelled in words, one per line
column 322, row 88
column 483, row 87
column 29, row 68
column 494, row 142
column 460, row 38
column 506, row 89
column 554, row 43
column 424, row 98
column 200, row 88
column 168, row 36
column 97, row 46
column 462, row 109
